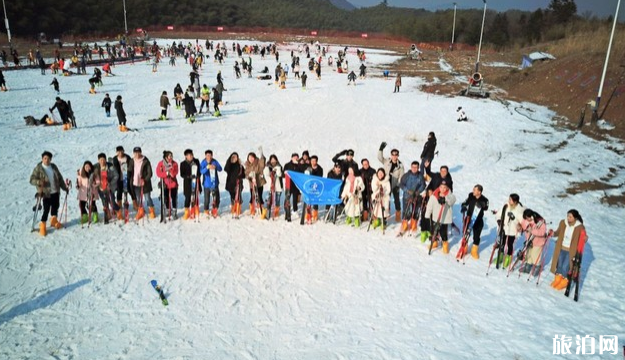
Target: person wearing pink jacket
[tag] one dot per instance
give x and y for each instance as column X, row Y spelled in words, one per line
column 167, row 170
column 84, row 183
column 534, row 226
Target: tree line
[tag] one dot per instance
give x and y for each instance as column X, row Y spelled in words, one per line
column 95, row 17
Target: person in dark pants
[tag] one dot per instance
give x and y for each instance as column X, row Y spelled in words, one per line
column 188, row 176
column 234, row 182
column 294, row 166
column 121, row 114
column 49, row 181
column 429, row 150
column 123, row 160
column 106, row 104
column 474, row 206
column 367, row 173
column 63, row 109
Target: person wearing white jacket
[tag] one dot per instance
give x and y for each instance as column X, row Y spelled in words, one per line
column 511, row 217
column 439, row 209
column 352, row 197
column 273, row 175
column 380, row 197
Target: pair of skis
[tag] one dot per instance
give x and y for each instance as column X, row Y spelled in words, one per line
column 575, row 271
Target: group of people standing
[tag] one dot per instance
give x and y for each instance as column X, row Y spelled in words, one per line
column 427, row 196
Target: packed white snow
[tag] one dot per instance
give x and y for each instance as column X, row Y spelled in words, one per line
column 252, row 289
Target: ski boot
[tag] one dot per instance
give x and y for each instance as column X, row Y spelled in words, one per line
column 474, row 252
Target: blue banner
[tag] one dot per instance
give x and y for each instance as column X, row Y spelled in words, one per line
column 317, row 190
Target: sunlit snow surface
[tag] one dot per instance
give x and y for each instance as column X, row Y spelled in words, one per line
column 252, row 289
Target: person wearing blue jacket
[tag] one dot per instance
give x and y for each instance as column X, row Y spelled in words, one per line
column 412, row 185
column 209, row 168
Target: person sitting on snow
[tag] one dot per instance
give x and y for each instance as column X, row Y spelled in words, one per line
column 461, row 115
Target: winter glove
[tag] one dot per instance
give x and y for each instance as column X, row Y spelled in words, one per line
column 511, row 215
column 463, row 208
column 550, row 234
column 344, row 152
column 441, row 200
column 382, row 145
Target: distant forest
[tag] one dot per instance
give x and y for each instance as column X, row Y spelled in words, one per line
column 96, row 17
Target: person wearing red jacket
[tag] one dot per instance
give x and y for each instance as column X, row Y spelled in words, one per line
column 167, row 171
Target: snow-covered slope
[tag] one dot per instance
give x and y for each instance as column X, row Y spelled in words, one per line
column 251, row 289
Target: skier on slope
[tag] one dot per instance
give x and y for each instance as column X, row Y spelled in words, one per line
column 351, row 78
column 48, row 180
column 367, row 173
column 105, row 177
column 429, row 150
column 55, row 84
column 569, row 233
column 123, row 160
column 188, row 177
column 474, row 206
column 84, row 185
column 441, row 197
column 397, row 83
column 273, row 174
column 304, row 78
column 106, row 104
column 512, row 214
column 167, row 170
column 205, row 96
column 234, row 182
column 210, row 168
column 64, row 112
column 216, row 111
column 363, row 71
column 142, row 182
column 164, row 105
column 534, row 226
column 189, row 106
column 380, row 198
column 293, row 191
column 220, row 90
column 254, row 167
column 412, row 185
column 352, row 197
column 121, row 114
column 178, row 95
column 395, row 169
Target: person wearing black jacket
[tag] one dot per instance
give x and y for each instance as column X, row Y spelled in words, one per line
column 367, row 173
column 429, row 150
column 234, row 182
column 316, row 170
column 436, row 178
column 293, row 191
column 187, row 178
column 121, row 114
column 474, row 206
column 178, row 94
column 106, row 104
column 346, row 163
column 119, row 160
column 63, row 109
